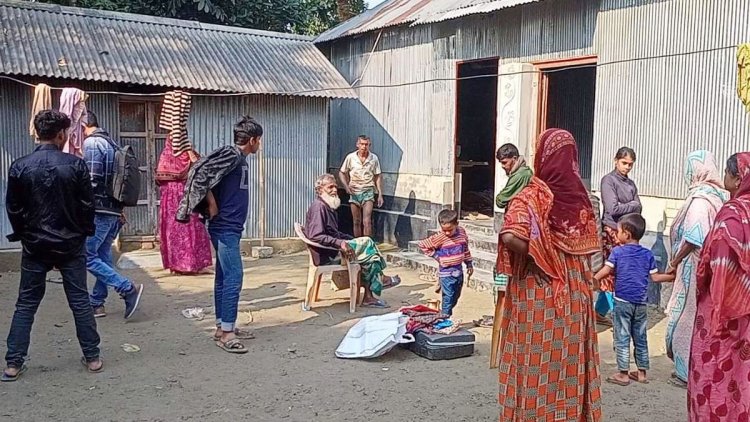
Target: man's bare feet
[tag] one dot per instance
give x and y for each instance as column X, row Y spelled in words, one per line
column 93, row 366
column 639, row 376
column 620, row 378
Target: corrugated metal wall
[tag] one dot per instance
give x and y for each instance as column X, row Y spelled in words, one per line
column 296, row 130
column 665, row 108
column 294, row 143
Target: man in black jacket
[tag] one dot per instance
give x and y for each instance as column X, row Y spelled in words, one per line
column 50, row 206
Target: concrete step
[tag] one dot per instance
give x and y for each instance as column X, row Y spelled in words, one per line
column 479, row 228
column 483, row 260
column 478, row 242
column 481, row 281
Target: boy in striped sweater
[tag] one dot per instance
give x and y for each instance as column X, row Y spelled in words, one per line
column 450, row 247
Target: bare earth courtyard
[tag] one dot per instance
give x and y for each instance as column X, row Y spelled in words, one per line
column 290, row 373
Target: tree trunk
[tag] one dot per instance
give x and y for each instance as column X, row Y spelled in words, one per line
column 344, row 9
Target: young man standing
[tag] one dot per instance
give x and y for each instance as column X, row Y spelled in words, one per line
column 360, row 173
column 99, row 152
column 228, row 202
column 50, row 207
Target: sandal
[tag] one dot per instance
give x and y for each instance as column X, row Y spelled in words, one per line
column 232, row 346
column 678, row 382
column 634, row 376
column 85, row 363
column 395, row 281
column 240, row 334
column 12, row 378
column 377, row 304
column 485, row 321
column 613, row 380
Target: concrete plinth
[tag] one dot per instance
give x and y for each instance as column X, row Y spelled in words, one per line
column 261, row 252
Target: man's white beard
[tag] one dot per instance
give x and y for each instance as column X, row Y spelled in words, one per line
column 332, row 201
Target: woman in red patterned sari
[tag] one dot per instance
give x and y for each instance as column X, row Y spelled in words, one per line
column 719, row 374
column 549, row 365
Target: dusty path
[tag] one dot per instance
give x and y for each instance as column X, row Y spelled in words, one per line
column 290, row 373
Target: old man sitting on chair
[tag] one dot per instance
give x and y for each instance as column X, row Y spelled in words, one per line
column 322, row 227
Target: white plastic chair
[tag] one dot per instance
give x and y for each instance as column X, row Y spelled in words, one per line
column 315, row 274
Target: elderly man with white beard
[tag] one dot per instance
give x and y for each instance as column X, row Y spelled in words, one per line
column 322, row 227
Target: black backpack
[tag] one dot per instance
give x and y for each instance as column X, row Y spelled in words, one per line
column 126, row 180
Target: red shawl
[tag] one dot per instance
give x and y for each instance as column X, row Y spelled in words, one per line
column 171, row 167
column 572, row 221
column 724, row 269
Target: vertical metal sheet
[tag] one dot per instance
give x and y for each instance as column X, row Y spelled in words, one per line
column 294, row 143
column 665, row 108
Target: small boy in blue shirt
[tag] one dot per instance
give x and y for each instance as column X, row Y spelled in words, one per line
column 633, row 266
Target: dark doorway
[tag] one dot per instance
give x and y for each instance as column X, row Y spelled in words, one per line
column 569, row 96
column 476, row 120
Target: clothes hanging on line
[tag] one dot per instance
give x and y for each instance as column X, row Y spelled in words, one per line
column 73, row 104
column 42, row 101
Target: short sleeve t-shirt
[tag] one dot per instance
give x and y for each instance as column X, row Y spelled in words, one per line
column 361, row 174
column 232, row 197
column 633, row 265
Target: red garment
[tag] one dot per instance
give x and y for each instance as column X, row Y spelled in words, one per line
column 171, row 167
column 421, row 318
column 719, row 373
column 572, row 221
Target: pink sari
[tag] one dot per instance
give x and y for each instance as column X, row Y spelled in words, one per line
column 185, row 248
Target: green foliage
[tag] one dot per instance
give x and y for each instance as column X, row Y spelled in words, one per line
column 309, row 17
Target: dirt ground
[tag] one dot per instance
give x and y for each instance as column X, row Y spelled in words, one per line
column 290, row 373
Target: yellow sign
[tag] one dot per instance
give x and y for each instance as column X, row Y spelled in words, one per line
column 743, row 74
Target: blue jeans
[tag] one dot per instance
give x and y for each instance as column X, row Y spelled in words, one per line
column 30, row 294
column 228, row 280
column 451, row 287
column 631, row 321
column 99, row 260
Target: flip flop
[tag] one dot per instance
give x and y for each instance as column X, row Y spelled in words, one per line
column 485, row 321
column 8, row 378
column 240, row 334
column 395, row 281
column 615, row 381
column 378, row 304
column 634, row 376
column 92, row 371
column 232, row 346
column 678, row 383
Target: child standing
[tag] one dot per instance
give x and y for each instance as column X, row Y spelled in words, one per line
column 633, row 266
column 450, row 247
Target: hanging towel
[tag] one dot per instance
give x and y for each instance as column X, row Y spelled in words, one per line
column 174, row 115
column 743, row 74
column 42, row 101
column 73, row 104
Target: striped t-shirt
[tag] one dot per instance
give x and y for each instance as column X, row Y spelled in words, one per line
column 449, row 251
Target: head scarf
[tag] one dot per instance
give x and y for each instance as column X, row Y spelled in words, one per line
column 724, row 269
column 572, row 221
column 175, row 111
column 701, row 170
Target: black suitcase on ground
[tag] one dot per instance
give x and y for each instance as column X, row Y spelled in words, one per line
column 443, row 346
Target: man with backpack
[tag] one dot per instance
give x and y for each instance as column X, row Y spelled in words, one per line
column 108, row 164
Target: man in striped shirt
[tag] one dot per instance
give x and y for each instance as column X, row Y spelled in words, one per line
column 450, row 247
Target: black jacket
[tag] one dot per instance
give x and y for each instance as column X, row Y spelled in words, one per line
column 205, row 174
column 50, row 203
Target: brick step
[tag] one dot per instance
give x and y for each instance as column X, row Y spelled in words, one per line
column 479, row 228
column 481, row 281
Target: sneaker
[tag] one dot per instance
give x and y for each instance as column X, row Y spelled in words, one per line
column 132, row 300
column 99, row 312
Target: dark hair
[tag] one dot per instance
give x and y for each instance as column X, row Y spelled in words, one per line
column 246, row 129
column 507, row 151
column 91, row 119
column 634, row 224
column 363, row 137
column 733, row 167
column 625, row 152
column 48, row 123
column 448, row 217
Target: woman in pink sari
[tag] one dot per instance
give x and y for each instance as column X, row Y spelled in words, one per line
column 719, row 374
column 185, row 248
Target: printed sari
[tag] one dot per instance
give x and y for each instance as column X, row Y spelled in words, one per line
column 372, row 262
column 549, row 358
column 719, row 372
column 691, row 225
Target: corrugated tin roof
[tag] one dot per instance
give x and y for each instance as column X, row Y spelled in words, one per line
column 414, row 12
column 63, row 42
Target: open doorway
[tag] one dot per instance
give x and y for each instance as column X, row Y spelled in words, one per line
column 568, row 95
column 476, row 118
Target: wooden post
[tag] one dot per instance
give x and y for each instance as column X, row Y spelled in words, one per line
column 496, row 334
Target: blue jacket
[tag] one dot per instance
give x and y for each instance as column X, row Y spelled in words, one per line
column 99, row 153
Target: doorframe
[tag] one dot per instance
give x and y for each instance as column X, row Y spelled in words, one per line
column 543, row 65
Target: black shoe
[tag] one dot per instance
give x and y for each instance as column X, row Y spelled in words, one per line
column 132, row 299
